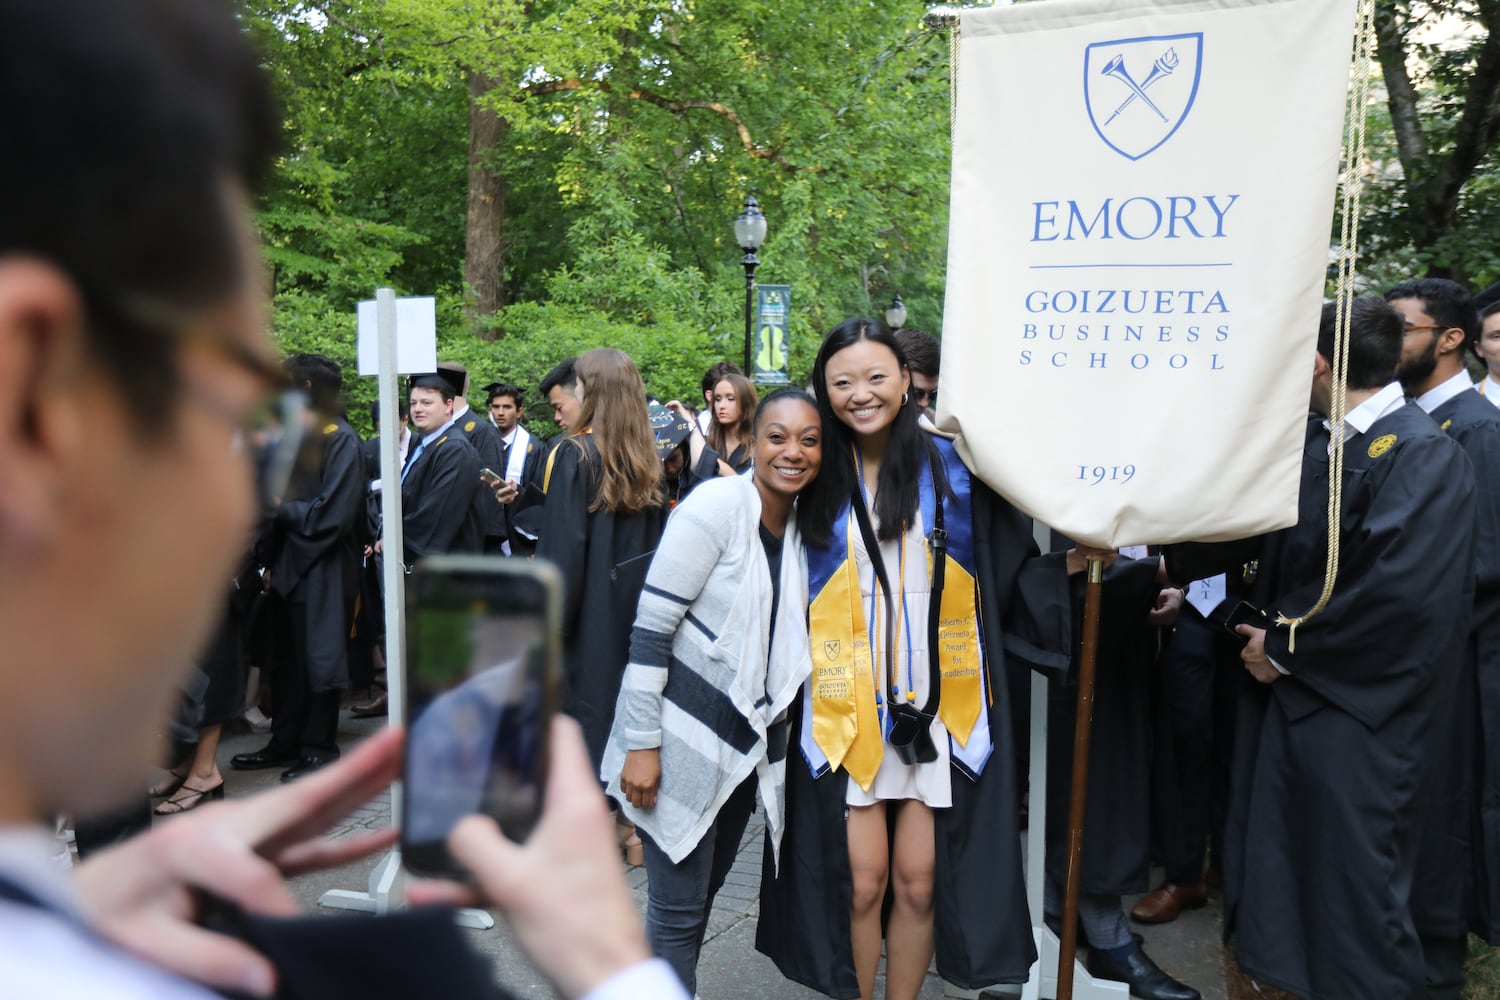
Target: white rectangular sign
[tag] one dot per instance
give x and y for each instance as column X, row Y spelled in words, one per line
column 1142, row 199
column 416, row 336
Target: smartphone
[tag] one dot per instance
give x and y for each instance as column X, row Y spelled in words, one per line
column 483, row 669
column 491, row 476
column 1245, row 613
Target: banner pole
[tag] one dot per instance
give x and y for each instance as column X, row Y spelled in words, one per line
column 1068, row 945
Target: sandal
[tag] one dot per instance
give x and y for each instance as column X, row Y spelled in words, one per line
column 631, row 848
column 189, row 798
column 168, row 784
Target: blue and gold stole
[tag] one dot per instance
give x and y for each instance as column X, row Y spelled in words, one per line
column 840, row 701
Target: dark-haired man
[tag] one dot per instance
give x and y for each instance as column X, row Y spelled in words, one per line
column 1335, row 716
column 132, row 358
column 923, row 356
column 520, row 454
column 560, row 388
column 1457, row 885
column 483, row 435
column 312, row 553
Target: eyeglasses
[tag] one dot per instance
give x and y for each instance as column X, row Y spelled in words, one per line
column 1424, row 329
column 272, row 435
column 925, row 397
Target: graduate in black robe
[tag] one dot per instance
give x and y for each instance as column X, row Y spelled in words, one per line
column 313, row 558
column 982, row 927
column 1457, row 885
column 440, row 485
column 485, row 439
column 1474, row 423
column 603, row 557
column 1325, row 815
column 1116, row 859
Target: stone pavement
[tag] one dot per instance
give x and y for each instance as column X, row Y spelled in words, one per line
column 730, row 968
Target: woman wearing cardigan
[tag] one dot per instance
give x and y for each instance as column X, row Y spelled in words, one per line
column 700, row 723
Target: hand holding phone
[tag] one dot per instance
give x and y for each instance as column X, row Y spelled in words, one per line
column 482, row 669
column 1245, row 613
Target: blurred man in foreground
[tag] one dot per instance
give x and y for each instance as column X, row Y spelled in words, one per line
column 132, row 355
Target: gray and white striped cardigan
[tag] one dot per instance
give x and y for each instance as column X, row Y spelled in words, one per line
column 706, row 683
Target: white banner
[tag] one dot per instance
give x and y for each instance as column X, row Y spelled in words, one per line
column 1141, row 206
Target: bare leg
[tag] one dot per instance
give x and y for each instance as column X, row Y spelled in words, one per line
column 204, row 782
column 205, row 772
column 869, row 864
column 908, row 945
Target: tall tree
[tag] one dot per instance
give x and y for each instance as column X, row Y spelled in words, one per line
column 1440, row 60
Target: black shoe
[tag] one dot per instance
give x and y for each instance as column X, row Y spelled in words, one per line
column 1146, row 980
column 267, row 756
column 307, row 765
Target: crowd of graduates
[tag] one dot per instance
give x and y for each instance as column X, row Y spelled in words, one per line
column 805, row 604
column 1227, row 752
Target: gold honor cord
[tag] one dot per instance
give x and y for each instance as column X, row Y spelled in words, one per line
column 1354, row 156
column 947, row 19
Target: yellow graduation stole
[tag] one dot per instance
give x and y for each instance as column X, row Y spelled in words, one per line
column 845, row 722
column 958, row 651
column 845, row 717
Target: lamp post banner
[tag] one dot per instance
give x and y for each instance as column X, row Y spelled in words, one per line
column 773, row 306
column 1143, row 193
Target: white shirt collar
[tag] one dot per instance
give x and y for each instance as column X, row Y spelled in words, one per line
column 1490, row 389
column 1440, row 394
column 1363, row 417
column 429, row 438
column 458, row 414
column 510, row 439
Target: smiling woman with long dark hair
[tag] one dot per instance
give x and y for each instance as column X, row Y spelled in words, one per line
column 906, row 779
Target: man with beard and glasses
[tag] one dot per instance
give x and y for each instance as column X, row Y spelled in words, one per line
column 1457, row 885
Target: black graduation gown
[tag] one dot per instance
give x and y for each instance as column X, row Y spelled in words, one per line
column 982, row 927
column 1321, row 841
column 481, row 433
column 1117, row 817
column 439, row 512
column 531, row 465
column 1457, row 887
column 318, row 546
column 603, row 557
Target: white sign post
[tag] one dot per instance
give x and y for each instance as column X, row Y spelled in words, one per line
column 396, row 337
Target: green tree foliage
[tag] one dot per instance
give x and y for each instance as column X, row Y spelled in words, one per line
column 632, row 130
column 1434, row 208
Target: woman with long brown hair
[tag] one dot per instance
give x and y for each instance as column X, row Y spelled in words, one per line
column 724, row 450
column 601, row 522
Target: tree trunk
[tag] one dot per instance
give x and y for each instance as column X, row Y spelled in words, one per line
column 484, row 236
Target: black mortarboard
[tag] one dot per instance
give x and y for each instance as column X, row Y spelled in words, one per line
column 670, row 429
column 452, row 381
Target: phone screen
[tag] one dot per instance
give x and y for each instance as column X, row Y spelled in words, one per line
column 482, row 669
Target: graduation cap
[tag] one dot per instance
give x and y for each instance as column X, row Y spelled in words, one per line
column 528, row 522
column 669, row 428
column 493, row 388
column 444, row 378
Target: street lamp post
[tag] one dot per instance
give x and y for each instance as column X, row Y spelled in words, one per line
column 895, row 313
column 750, row 233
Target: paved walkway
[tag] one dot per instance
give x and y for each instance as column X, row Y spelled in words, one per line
column 730, row 967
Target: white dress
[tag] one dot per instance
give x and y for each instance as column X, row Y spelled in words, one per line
column 928, row 783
